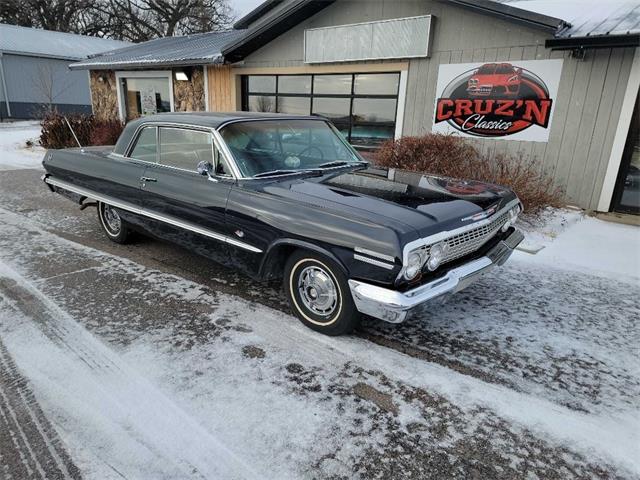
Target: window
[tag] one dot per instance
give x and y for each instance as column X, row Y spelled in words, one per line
column 146, row 147
column 362, row 106
column 143, row 96
column 183, row 148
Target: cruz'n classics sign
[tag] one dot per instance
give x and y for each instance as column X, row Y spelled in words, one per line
column 511, row 100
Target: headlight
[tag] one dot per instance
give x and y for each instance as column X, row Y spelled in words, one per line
column 414, row 265
column 437, row 254
column 513, row 216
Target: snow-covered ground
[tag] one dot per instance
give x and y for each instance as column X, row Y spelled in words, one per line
column 138, row 368
column 14, row 153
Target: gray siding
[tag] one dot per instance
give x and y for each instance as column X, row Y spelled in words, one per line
column 33, row 81
column 586, row 110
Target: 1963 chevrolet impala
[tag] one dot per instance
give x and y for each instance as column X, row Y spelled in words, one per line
column 287, row 197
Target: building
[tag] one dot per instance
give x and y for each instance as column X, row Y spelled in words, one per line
column 556, row 82
column 34, row 73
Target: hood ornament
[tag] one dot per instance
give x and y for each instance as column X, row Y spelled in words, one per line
column 482, row 215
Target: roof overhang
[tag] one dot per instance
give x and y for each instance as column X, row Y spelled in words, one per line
column 518, row 15
column 256, row 13
column 259, row 35
column 85, row 65
column 596, row 41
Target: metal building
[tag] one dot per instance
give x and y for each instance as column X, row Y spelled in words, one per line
column 554, row 82
column 34, row 73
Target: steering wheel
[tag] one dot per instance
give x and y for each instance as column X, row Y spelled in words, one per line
column 311, row 147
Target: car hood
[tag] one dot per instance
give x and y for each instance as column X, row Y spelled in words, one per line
column 425, row 203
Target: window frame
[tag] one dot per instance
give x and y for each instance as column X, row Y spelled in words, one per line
column 246, row 93
column 216, row 144
column 120, row 95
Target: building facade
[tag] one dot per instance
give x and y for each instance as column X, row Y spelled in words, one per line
column 35, row 75
column 560, row 90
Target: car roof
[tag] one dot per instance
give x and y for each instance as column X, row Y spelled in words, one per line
column 215, row 119
column 200, row 119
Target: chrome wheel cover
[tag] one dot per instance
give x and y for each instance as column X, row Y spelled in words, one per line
column 318, row 290
column 112, row 221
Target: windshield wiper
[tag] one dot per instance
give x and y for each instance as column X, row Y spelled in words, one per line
column 274, row 173
column 338, row 163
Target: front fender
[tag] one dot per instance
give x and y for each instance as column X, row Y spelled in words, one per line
column 272, row 264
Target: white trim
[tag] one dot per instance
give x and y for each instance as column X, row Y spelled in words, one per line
column 141, row 74
column 205, row 72
column 620, row 139
column 402, row 98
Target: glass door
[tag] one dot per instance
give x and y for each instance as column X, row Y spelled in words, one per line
column 626, row 197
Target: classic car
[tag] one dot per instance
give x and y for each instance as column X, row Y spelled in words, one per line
column 495, row 79
column 286, row 197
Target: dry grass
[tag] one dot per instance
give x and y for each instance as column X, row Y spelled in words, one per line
column 452, row 156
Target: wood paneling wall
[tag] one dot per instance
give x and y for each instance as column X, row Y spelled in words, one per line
column 221, row 89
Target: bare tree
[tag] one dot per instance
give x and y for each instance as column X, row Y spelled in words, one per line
column 49, row 87
column 134, row 20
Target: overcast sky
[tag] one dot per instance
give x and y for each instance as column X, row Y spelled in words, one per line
column 242, row 7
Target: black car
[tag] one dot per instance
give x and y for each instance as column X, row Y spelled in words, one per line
column 278, row 196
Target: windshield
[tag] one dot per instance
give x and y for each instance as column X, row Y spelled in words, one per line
column 286, row 146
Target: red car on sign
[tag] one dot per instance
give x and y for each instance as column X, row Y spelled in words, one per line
column 495, row 79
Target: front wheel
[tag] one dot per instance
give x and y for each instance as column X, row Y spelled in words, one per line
column 319, row 294
column 115, row 228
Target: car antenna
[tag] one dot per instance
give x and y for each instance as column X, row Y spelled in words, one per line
column 73, row 133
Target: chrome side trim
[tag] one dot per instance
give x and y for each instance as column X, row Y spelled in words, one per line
column 371, row 253
column 421, row 242
column 151, row 214
column 373, row 261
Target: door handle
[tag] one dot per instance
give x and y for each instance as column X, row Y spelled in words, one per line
column 147, row 179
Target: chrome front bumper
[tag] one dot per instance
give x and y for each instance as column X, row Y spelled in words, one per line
column 394, row 307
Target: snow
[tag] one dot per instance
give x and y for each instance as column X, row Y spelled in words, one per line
column 589, row 245
column 169, row 398
column 14, row 153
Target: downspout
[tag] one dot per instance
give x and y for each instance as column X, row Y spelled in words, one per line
column 4, row 88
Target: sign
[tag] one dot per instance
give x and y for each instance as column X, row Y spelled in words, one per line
column 509, row 100
column 148, row 101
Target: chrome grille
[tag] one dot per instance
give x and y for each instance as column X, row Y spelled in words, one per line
column 470, row 241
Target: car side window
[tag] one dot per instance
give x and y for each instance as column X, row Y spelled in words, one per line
column 146, row 145
column 184, row 148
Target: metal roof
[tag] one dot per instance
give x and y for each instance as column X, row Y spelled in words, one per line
column 46, row 43
column 587, row 18
column 203, row 48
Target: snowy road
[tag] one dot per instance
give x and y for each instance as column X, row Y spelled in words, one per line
column 146, row 361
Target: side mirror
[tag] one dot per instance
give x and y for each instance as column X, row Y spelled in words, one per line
column 205, row 168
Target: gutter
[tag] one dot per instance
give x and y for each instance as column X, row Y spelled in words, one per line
column 596, row 41
column 4, row 87
column 189, row 62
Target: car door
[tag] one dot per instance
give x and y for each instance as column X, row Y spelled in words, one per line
column 183, row 205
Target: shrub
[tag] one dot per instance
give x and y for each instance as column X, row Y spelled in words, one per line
column 106, row 132
column 452, row 156
column 89, row 130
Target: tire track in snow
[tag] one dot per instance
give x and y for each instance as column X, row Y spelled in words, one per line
column 131, row 426
column 29, row 446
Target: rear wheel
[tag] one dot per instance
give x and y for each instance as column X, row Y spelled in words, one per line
column 319, row 294
column 115, row 228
